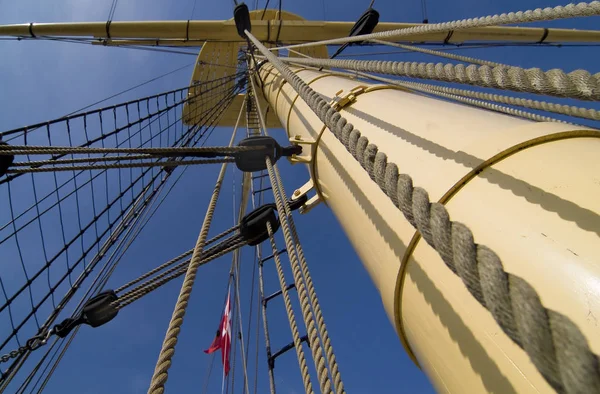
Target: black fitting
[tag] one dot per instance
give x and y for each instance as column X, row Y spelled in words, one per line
column 241, row 16
column 364, row 25
column 254, row 160
column 297, row 203
column 253, row 226
column 5, row 161
column 291, row 150
column 97, row 311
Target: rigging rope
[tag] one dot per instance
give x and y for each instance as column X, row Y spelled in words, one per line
column 314, row 302
column 166, row 151
column 537, row 15
column 87, row 226
column 314, row 340
column 110, row 231
column 458, row 98
column 169, row 163
column 568, row 110
column 240, row 323
column 173, row 273
column 460, row 47
column 291, row 317
column 456, row 95
column 172, row 261
column 555, row 345
column 163, row 363
column 578, row 84
column 460, row 58
column 302, row 278
column 139, row 85
column 223, row 81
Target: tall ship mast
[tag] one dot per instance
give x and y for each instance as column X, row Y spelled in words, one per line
column 202, row 236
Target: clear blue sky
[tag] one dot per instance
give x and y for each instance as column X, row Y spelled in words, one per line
column 44, row 80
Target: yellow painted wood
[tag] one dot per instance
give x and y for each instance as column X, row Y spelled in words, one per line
column 293, row 30
column 533, row 200
column 219, row 60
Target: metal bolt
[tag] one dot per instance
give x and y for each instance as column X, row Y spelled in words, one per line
column 296, row 192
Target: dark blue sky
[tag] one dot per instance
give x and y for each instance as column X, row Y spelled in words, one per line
column 44, row 80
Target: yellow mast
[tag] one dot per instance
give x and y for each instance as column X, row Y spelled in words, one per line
column 195, row 32
column 502, row 176
column 525, row 204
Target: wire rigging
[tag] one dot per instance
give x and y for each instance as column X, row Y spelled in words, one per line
column 152, row 186
column 139, row 85
column 423, row 11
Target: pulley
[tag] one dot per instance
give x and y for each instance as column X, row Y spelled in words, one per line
column 297, row 203
column 97, row 311
column 254, row 160
column 253, row 226
column 5, row 160
column 364, row 25
column 241, row 16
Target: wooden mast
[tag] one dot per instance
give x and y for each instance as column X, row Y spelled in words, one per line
column 535, row 206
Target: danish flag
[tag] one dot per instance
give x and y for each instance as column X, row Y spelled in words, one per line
column 223, row 338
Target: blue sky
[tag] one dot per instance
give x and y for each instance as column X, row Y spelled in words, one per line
column 42, row 80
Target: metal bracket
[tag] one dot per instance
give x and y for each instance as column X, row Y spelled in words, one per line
column 305, row 158
column 339, row 101
column 311, row 202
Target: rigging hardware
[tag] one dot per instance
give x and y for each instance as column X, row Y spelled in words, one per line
column 241, row 15
column 5, row 161
column 253, row 226
column 96, row 312
column 254, row 160
column 364, row 25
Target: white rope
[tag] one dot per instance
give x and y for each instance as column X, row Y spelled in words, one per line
column 160, row 375
column 460, row 58
column 537, row 15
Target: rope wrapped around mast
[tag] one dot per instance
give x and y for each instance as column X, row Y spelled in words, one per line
column 555, row 345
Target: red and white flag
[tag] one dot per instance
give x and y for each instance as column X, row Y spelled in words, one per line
column 223, row 339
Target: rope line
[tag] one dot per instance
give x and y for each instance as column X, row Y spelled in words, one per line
column 569, row 110
column 109, row 231
column 167, row 276
column 458, row 98
column 555, row 345
column 578, row 84
column 537, row 15
column 314, row 302
column 287, row 220
column 169, row 163
column 43, row 150
column 172, row 261
column 163, row 363
column 309, row 320
column 291, row 317
column 455, row 95
column 460, row 58
column 223, row 81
